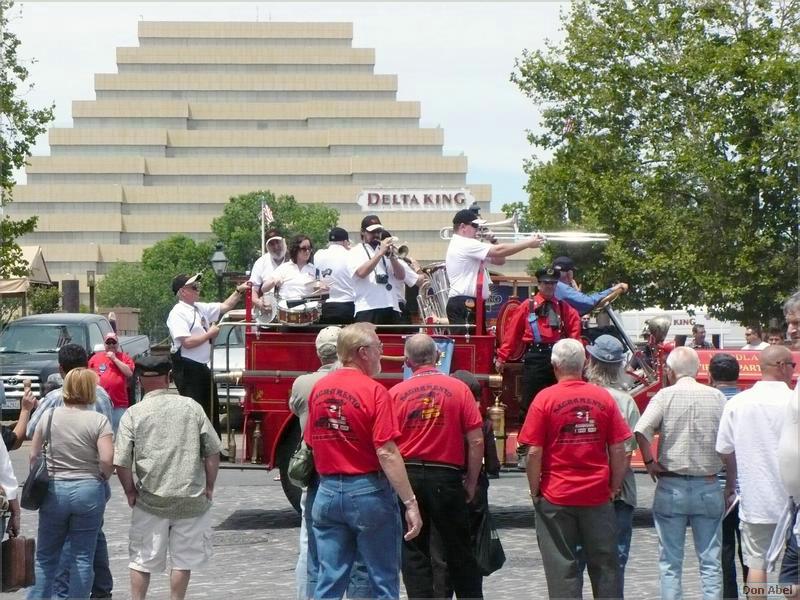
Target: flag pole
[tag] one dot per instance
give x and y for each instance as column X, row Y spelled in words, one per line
column 263, row 233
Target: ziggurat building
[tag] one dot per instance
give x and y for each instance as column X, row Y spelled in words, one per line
column 201, row 112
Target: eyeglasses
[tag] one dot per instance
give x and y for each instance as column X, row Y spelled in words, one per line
column 475, row 225
column 194, row 287
column 111, row 343
column 379, row 346
column 784, row 363
column 305, row 248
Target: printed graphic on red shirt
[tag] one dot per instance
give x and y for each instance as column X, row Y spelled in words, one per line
column 111, row 378
column 574, row 422
column 435, row 412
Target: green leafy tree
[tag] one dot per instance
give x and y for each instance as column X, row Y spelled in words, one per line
column 147, row 285
column 19, row 127
column 239, row 226
column 43, row 299
column 674, row 127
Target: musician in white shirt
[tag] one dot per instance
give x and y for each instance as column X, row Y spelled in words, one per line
column 331, row 265
column 274, row 255
column 466, row 257
column 295, row 279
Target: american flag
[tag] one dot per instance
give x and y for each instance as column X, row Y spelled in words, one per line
column 267, row 212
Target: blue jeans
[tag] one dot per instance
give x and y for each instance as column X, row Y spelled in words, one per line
column 697, row 502
column 356, row 516
column 116, row 415
column 72, row 513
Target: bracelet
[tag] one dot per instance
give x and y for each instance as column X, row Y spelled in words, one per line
column 532, row 495
column 410, row 501
column 648, row 462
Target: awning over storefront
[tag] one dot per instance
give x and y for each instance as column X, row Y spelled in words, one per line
column 37, row 273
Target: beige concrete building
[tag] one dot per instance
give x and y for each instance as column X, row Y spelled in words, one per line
column 201, row 112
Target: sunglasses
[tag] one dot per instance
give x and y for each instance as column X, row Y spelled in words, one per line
column 111, row 343
column 784, row 363
column 305, row 248
column 194, row 287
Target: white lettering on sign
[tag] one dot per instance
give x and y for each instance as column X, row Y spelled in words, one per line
column 427, row 200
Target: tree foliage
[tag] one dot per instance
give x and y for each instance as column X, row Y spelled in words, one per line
column 674, row 127
column 239, row 226
column 147, row 285
column 19, row 127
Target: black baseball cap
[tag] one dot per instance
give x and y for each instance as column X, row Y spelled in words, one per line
column 548, row 274
column 565, row 262
column 467, row 217
column 371, row 223
column 183, row 280
column 337, row 234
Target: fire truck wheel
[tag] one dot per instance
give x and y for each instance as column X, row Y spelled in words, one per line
column 286, row 448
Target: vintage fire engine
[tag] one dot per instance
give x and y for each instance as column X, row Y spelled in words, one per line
column 277, row 352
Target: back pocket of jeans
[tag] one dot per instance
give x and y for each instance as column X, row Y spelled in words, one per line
column 712, row 503
column 664, row 500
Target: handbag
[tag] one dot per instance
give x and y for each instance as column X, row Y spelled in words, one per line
column 301, row 466
column 35, row 488
column 18, row 563
column 489, row 553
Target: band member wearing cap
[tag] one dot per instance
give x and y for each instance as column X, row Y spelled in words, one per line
column 567, row 289
column 168, row 443
column 192, row 326
column 352, row 429
column 438, row 416
column 331, row 264
column 539, row 322
column 465, row 260
column 295, row 278
column 114, row 367
column 370, row 265
column 399, row 286
column 274, row 255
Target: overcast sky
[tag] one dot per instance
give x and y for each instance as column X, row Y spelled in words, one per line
column 453, row 57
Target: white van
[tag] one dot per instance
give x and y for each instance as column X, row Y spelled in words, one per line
column 722, row 334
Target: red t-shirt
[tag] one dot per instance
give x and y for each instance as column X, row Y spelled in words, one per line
column 111, row 378
column 574, row 422
column 435, row 413
column 350, row 415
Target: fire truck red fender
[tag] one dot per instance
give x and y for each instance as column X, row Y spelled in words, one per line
column 502, row 319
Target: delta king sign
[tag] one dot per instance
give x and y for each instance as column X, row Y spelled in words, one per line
column 376, row 200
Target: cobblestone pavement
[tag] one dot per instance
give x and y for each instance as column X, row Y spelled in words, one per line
column 256, row 531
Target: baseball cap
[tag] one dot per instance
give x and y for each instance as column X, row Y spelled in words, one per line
column 371, row 223
column 607, row 349
column 467, row 216
column 183, row 280
column 327, row 337
column 550, row 274
column 337, row 234
column 111, row 336
column 565, row 262
column 155, row 364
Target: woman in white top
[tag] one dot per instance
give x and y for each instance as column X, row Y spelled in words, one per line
column 79, row 460
column 9, row 484
column 295, row 279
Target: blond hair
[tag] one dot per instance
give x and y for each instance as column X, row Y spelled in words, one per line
column 352, row 338
column 79, row 386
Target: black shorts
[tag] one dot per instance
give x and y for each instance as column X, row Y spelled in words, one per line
column 790, row 568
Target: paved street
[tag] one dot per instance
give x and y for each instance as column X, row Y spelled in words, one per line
column 256, row 530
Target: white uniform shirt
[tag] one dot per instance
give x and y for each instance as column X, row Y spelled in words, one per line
column 789, row 447
column 464, row 256
column 331, row 264
column 399, row 286
column 292, row 282
column 186, row 320
column 369, row 294
column 262, row 269
column 751, row 427
column 759, row 346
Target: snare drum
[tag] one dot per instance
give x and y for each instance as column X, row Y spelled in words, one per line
column 302, row 314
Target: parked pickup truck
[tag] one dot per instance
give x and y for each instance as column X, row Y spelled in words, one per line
column 29, row 350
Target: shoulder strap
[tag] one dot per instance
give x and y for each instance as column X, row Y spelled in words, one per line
column 47, row 438
column 533, row 319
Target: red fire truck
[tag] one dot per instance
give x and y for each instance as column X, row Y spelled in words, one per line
column 276, row 353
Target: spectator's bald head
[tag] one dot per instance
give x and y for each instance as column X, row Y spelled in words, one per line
column 775, row 362
column 421, row 350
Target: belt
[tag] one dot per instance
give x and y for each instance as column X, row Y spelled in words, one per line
column 429, row 464
column 681, row 476
column 539, row 347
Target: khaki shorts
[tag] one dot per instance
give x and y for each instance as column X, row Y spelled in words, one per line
column 188, row 541
column 756, row 539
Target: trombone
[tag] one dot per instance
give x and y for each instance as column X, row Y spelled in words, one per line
column 513, row 234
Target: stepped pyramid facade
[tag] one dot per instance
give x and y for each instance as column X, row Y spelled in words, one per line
column 201, row 112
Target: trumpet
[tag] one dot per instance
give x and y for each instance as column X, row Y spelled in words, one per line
column 487, row 234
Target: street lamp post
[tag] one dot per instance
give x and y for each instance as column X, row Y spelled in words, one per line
column 219, row 262
column 90, row 283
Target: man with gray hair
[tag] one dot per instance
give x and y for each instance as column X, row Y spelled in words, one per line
column 438, row 416
column 576, row 465
column 687, row 414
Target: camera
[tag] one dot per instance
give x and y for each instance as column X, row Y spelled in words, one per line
column 382, row 279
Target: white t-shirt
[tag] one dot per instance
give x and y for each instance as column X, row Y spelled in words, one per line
column 262, row 269
column 759, row 346
column 292, row 282
column 331, row 264
column 751, row 426
column 464, row 257
column 789, row 447
column 399, row 286
column 186, row 320
column 368, row 294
